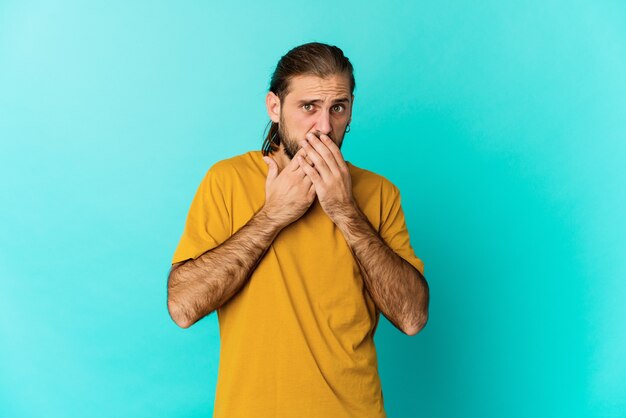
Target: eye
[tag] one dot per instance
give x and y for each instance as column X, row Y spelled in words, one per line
column 339, row 106
column 305, row 106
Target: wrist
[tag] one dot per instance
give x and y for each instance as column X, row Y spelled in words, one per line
column 348, row 215
column 266, row 217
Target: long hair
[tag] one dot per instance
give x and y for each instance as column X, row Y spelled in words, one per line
column 313, row 58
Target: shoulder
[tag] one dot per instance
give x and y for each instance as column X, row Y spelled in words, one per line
column 371, row 181
column 375, row 194
column 237, row 165
column 234, row 162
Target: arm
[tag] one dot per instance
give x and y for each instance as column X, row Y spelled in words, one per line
column 398, row 289
column 199, row 286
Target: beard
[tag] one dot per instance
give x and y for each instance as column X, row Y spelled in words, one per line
column 290, row 144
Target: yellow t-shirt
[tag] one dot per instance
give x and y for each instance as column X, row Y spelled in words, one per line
column 298, row 339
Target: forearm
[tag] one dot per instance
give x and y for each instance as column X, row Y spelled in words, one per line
column 397, row 288
column 199, row 286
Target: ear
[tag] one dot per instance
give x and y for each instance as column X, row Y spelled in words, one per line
column 272, row 102
column 351, row 107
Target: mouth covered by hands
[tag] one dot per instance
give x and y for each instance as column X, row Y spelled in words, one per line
column 325, row 167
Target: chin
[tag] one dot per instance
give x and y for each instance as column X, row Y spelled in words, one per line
column 288, row 154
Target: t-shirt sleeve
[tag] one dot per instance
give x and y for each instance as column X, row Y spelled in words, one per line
column 208, row 220
column 393, row 226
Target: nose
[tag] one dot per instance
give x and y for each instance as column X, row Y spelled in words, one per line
column 323, row 123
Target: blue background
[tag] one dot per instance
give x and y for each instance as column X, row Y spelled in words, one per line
column 502, row 123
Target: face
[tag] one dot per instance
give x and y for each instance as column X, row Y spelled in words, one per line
column 314, row 104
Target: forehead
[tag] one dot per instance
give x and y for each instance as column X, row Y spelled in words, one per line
column 314, row 87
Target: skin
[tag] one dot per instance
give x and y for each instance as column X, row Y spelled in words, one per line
column 397, row 288
column 295, row 117
column 197, row 287
column 308, row 165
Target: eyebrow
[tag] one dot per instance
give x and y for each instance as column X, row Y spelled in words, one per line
column 311, row 101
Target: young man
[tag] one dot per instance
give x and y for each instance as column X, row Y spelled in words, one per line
column 299, row 251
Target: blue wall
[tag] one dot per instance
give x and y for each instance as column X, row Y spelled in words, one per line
column 503, row 125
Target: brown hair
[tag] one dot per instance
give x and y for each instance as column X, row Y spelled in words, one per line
column 313, row 58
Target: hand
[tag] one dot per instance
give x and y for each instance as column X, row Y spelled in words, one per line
column 329, row 174
column 288, row 194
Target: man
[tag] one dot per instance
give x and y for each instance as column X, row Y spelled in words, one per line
column 299, row 251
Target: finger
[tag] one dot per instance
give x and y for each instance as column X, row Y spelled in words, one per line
column 305, row 159
column 299, row 172
column 335, row 151
column 293, row 164
column 311, row 172
column 318, row 161
column 324, row 153
column 272, row 168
